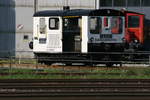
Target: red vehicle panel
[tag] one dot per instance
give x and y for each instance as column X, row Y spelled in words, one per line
column 134, row 27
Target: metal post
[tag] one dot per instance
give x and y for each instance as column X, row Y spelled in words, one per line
column 36, row 63
column 149, row 60
column 66, row 3
column 35, row 6
column 97, row 2
column 10, row 62
column 19, row 59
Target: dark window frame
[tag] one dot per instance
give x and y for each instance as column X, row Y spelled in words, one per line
column 119, row 5
column 56, row 26
column 42, row 24
column 132, row 24
column 98, row 26
column 104, row 3
column 135, row 3
column 117, row 23
column 145, row 4
column 25, row 37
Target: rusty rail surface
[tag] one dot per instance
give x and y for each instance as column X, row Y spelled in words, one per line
column 80, row 87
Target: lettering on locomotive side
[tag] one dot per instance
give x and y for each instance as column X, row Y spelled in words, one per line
column 105, row 35
column 104, row 39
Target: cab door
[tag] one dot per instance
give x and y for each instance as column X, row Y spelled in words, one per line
column 39, row 34
column 134, row 27
column 42, row 30
column 54, row 35
column 72, row 33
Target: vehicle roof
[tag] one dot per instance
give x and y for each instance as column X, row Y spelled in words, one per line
column 77, row 12
column 82, row 12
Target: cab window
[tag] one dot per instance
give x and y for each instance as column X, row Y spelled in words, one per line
column 54, row 23
column 116, row 25
column 95, row 25
column 42, row 25
column 133, row 21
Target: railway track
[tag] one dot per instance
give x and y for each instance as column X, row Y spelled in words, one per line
column 74, row 88
column 63, row 74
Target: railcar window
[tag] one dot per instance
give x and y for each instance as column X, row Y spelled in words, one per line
column 113, row 22
column 25, row 37
column 119, row 3
column 53, row 23
column 145, row 2
column 72, row 24
column 95, row 25
column 134, row 2
column 133, row 21
column 106, row 23
column 42, row 25
column 105, row 3
column 116, row 25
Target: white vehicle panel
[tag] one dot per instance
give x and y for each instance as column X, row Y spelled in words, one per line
column 84, row 34
column 54, row 43
column 50, row 41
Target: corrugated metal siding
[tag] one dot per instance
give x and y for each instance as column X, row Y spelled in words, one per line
column 7, row 2
column 24, row 18
column 58, row 4
column 24, row 3
column 7, row 27
column 22, row 47
column 81, row 3
column 7, row 44
column 51, row 3
column 7, row 18
column 24, row 10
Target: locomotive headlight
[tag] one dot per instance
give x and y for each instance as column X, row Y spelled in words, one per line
column 136, row 41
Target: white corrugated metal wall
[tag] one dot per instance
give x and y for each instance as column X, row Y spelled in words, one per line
column 24, row 12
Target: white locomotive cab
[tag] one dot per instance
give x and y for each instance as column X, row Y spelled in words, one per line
column 47, row 34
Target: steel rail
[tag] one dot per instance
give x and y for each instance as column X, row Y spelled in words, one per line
column 71, row 87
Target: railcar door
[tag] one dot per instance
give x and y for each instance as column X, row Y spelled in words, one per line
column 134, row 27
column 72, row 34
column 54, row 35
column 40, row 34
column 42, row 30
